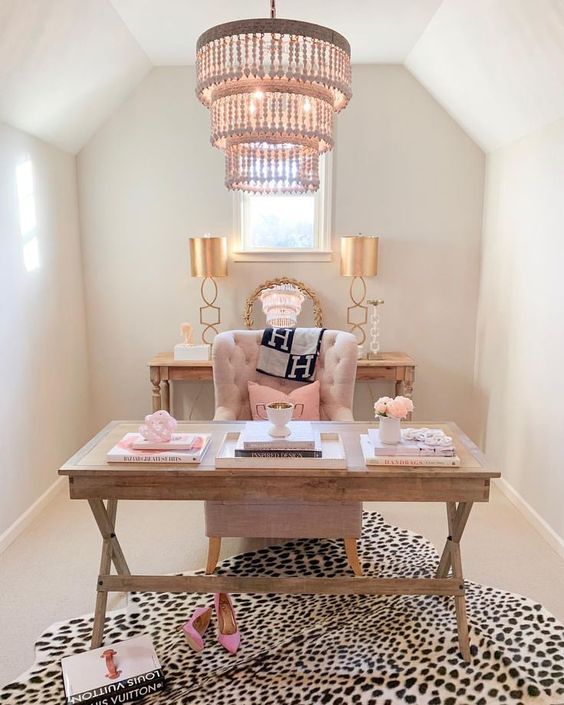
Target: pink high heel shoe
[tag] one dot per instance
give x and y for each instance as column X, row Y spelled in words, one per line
column 227, row 630
column 196, row 626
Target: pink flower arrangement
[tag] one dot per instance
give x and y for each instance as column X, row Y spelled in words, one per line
column 397, row 408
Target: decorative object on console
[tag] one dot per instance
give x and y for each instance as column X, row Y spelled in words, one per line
column 390, row 412
column 374, row 346
column 290, row 353
column 281, row 281
column 359, row 259
column 282, row 304
column 307, row 396
column 158, row 427
column 187, row 350
column 208, row 257
column 272, row 86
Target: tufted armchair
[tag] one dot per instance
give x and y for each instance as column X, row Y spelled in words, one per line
column 234, row 356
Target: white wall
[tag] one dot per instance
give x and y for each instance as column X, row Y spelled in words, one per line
column 403, row 170
column 43, row 356
column 520, row 328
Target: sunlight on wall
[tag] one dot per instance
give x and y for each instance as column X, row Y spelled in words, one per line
column 27, row 213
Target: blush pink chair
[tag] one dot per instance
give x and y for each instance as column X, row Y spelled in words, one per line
column 234, row 356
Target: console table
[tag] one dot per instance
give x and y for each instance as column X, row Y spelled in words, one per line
column 92, row 478
column 397, row 367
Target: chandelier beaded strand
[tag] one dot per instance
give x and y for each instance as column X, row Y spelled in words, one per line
column 272, row 87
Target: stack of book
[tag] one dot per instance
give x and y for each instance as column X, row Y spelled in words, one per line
column 113, row 674
column 181, row 449
column 407, row 452
column 256, row 442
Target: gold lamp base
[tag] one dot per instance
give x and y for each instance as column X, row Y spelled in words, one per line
column 210, row 314
column 357, row 313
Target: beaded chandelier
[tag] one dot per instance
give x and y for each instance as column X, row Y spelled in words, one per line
column 272, row 86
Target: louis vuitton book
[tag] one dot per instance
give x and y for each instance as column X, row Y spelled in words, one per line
column 113, row 674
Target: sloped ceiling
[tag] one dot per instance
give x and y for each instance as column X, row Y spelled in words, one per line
column 496, row 65
column 65, row 65
column 380, row 31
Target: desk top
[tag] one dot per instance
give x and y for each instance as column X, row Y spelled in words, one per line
column 90, row 461
column 384, row 359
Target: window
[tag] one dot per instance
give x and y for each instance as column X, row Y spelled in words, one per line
column 286, row 227
column 28, row 219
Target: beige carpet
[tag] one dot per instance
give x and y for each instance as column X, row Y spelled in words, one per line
column 49, row 573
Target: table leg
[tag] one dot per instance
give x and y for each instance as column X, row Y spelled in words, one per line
column 165, row 395
column 155, row 375
column 457, row 517
column 111, row 553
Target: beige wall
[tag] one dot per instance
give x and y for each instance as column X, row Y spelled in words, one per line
column 44, row 400
column 403, row 170
column 520, row 339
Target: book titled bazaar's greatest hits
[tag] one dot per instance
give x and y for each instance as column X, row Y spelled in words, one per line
column 125, row 452
column 117, row 673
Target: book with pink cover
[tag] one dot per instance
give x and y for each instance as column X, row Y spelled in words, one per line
column 124, row 452
column 178, row 441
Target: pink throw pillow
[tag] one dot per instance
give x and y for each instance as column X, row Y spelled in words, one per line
column 308, row 395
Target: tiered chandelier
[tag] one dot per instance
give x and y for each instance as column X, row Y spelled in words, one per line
column 272, row 86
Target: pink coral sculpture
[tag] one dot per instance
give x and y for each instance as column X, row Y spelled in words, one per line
column 158, row 427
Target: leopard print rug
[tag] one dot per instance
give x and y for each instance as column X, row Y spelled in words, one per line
column 332, row 650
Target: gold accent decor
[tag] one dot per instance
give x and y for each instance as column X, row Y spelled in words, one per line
column 273, row 87
column 306, row 291
column 208, row 256
column 359, row 256
column 208, row 259
column 359, row 259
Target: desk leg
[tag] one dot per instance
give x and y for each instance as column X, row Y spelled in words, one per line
column 111, row 553
column 165, row 395
column 457, row 517
column 404, row 387
column 155, row 374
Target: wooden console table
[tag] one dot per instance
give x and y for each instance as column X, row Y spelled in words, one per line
column 396, row 367
column 93, row 479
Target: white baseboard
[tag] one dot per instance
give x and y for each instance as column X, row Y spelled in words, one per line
column 22, row 522
column 545, row 530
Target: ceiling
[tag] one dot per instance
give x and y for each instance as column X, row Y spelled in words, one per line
column 167, row 30
column 496, row 65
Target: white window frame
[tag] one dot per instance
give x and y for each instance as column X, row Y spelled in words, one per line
column 322, row 226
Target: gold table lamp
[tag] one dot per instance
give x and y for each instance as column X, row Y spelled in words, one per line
column 359, row 259
column 208, row 258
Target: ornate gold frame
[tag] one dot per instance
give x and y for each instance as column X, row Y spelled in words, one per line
column 306, row 291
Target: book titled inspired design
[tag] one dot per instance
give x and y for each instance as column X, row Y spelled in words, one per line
column 125, row 452
column 242, row 452
column 370, row 458
column 255, row 436
column 116, row 673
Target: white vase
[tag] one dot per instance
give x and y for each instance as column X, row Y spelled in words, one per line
column 390, row 430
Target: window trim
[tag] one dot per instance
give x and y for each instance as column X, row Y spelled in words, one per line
column 323, row 213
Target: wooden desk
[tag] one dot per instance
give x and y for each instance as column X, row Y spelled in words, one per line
column 396, row 367
column 91, row 478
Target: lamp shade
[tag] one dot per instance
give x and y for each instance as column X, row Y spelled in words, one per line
column 359, row 256
column 208, row 256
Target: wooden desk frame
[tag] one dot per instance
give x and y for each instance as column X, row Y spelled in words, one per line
column 104, row 485
column 395, row 367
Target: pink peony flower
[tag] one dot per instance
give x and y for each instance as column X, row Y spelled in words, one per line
column 399, row 407
column 380, row 407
